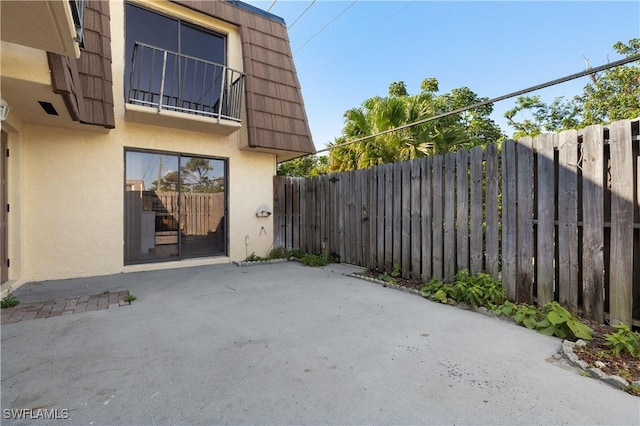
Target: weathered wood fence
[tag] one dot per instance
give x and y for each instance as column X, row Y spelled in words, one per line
column 555, row 218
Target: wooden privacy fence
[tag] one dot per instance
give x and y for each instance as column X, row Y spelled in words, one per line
column 556, row 217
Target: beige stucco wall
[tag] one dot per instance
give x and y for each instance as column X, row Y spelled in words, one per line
column 70, row 185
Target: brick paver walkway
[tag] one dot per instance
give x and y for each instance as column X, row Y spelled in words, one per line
column 54, row 308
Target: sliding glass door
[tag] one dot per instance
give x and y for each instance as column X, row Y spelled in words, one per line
column 175, row 206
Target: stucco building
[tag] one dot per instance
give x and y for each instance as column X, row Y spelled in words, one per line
column 141, row 134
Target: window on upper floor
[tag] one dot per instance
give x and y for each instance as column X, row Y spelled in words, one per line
column 77, row 13
column 174, row 65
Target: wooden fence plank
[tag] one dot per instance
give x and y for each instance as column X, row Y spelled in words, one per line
column 328, row 218
column 319, row 210
column 314, row 206
column 621, row 253
column 492, row 245
column 546, row 218
column 425, row 218
column 380, row 221
column 476, row 249
column 462, row 210
column 356, row 223
column 524, row 189
column 341, row 207
column 397, row 215
column 304, row 214
column 449, row 219
column 438, row 204
column 373, row 217
column 367, row 177
column 356, row 226
column 348, row 200
column 593, row 223
column 334, row 237
column 278, row 211
column 405, row 246
column 295, row 213
column 509, row 228
column 415, row 220
column 289, row 214
column 388, row 218
column 568, row 219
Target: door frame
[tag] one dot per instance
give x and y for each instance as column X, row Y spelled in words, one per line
column 4, row 228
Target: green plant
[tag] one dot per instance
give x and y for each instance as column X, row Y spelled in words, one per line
column 252, row 258
column 478, row 290
column 507, row 309
column 624, row 340
column 441, row 292
column 527, row 316
column 278, row 253
column 551, row 320
column 387, row 278
column 557, row 321
column 316, row 259
column 298, row 254
column 129, row 298
column 9, row 301
column 395, row 272
column 633, row 389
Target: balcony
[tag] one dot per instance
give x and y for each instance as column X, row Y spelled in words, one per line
column 52, row 25
column 187, row 92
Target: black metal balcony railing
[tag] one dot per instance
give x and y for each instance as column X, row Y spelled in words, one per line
column 170, row 81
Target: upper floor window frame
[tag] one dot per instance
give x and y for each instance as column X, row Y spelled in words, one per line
column 179, row 64
column 180, row 23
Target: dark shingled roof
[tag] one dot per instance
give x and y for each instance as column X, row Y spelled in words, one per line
column 86, row 84
column 276, row 117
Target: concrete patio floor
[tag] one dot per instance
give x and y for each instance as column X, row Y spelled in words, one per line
column 286, row 344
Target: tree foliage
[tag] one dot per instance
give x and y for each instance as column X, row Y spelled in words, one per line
column 380, row 114
column 310, row 165
column 195, row 176
column 611, row 95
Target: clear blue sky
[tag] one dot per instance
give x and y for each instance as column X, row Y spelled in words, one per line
column 493, row 48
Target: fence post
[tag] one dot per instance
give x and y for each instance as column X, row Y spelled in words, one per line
column 524, row 189
column 568, row 219
column 462, row 209
column 476, row 249
column 546, row 215
column 449, row 218
column 491, row 239
column 621, row 263
column 593, row 223
column 509, row 254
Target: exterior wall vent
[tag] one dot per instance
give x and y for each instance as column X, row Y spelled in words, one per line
column 48, row 108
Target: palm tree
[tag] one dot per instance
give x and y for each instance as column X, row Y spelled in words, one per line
column 379, row 114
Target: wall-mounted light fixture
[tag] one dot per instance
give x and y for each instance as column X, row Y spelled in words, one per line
column 263, row 211
column 4, row 109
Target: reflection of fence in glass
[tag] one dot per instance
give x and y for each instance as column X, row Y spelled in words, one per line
column 167, row 80
column 200, row 214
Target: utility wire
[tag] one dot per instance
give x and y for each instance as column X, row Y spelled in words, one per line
column 493, row 100
column 372, row 29
column 271, row 5
column 300, row 16
column 325, row 27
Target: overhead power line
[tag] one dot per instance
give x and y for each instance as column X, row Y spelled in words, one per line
column 493, row 100
column 372, row 29
column 271, row 5
column 325, row 27
column 300, row 16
